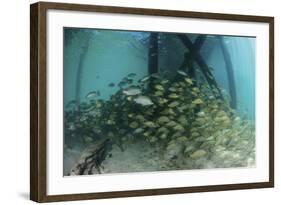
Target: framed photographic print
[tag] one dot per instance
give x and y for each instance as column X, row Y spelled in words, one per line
column 134, row 102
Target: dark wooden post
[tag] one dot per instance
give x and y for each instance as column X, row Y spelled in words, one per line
column 199, row 60
column 80, row 71
column 229, row 72
column 153, row 55
column 189, row 57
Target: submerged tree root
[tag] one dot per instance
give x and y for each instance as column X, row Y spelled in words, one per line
column 91, row 158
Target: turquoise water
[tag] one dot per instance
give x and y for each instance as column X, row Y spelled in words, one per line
column 111, row 55
column 96, row 61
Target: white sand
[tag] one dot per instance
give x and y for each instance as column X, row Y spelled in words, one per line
column 136, row 157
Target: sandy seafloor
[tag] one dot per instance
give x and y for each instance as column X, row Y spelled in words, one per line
column 135, row 157
column 141, row 156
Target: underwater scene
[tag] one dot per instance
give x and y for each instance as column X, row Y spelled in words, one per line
column 137, row 101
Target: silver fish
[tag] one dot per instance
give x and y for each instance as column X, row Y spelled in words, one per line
column 143, row 100
column 129, row 81
column 111, row 84
column 131, row 75
column 71, row 104
column 122, row 84
column 181, row 73
column 132, row 91
column 138, row 130
column 126, row 80
column 156, row 75
column 144, row 79
column 93, row 94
